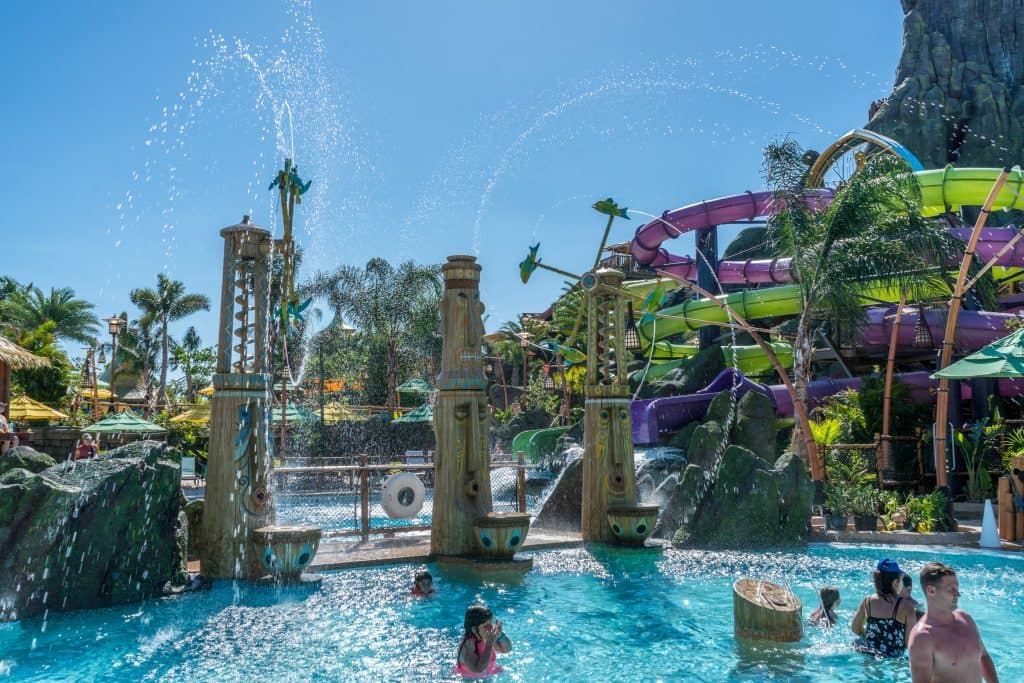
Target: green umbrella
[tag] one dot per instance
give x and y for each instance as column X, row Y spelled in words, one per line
column 1002, row 358
column 415, row 386
column 125, row 422
column 422, row 414
column 294, row 414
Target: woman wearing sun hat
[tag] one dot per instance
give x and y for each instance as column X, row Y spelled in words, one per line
column 884, row 619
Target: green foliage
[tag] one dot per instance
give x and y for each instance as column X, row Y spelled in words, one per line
column 973, row 447
column 838, row 500
column 845, row 411
column 49, row 384
column 538, row 396
column 195, row 361
column 850, row 471
column 905, row 414
column 395, row 310
column 826, row 432
column 190, row 438
column 564, row 315
column 923, row 514
column 162, row 306
column 1013, row 447
column 26, row 308
column 866, row 500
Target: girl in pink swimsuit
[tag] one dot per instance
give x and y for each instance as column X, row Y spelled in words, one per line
column 482, row 639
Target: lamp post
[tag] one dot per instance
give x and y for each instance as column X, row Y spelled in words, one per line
column 524, row 344
column 89, row 379
column 115, row 325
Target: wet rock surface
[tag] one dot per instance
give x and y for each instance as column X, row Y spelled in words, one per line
column 749, row 499
column 91, row 533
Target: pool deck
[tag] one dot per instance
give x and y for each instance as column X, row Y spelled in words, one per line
column 416, row 549
column 968, row 535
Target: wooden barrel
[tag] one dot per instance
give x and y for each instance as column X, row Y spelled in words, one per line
column 765, row 611
column 1007, row 523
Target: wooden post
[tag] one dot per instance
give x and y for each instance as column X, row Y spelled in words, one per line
column 462, row 473
column 238, row 499
column 890, row 366
column 942, row 399
column 765, row 611
column 521, row 479
column 364, row 497
column 879, row 445
column 609, row 476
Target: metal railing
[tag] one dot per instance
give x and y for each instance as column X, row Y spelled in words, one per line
column 346, row 500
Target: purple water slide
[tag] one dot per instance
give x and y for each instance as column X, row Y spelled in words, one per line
column 750, row 272
column 653, row 418
column 646, row 245
column 653, row 415
column 974, row 329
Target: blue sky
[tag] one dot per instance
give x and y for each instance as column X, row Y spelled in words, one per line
column 135, row 131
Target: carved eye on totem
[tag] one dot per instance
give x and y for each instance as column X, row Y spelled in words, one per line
column 604, row 414
column 623, row 414
column 461, row 412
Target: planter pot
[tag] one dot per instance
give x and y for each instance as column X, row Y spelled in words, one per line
column 865, row 522
column 834, row 522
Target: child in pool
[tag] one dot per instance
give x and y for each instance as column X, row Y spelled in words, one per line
column 423, row 584
column 825, row 614
column 482, row 639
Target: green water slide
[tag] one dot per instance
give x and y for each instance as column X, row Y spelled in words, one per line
column 750, row 360
column 948, row 189
column 537, row 443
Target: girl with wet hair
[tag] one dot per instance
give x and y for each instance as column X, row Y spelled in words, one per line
column 884, row 620
column 482, row 639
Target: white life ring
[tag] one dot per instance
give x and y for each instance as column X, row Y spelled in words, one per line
column 403, row 495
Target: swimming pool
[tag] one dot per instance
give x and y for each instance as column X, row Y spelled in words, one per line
column 581, row 615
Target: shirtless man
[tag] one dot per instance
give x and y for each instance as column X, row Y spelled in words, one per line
column 945, row 646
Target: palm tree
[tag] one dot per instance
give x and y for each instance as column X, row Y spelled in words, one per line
column 872, row 234
column 27, row 308
column 162, row 306
column 387, row 304
column 195, row 361
column 136, row 356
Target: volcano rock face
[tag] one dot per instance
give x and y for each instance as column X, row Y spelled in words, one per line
column 91, row 533
column 733, row 493
column 959, row 93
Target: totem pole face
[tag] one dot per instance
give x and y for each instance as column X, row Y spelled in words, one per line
column 614, row 422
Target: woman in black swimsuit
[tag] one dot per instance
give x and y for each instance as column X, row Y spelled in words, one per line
column 883, row 620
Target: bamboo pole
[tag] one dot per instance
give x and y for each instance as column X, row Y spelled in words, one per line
column 364, row 497
column 817, row 467
column 521, row 479
column 988, row 266
column 942, row 399
column 890, row 365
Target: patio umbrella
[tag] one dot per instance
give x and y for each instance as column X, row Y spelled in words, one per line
column 414, row 386
column 295, row 414
column 336, row 412
column 422, row 414
column 207, row 391
column 1002, row 358
column 126, row 422
column 199, row 414
column 31, row 410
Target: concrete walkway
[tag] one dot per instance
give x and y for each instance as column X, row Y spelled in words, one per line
column 416, row 549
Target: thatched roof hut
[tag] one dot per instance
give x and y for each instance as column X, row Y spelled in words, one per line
column 13, row 357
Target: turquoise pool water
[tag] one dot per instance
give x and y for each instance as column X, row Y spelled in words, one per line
column 580, row 615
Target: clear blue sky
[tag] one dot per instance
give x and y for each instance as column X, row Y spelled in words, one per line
column 134, row 131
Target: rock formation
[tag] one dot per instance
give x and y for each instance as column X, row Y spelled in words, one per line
column 733, row 491
column 91, row 533
column 959, row 90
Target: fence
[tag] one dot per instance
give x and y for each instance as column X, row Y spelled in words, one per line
column 902, row 467
column 346, row 500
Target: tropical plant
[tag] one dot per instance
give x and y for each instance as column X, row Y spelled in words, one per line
column 195, row 361
column 973, row 447
column 866, row 500
column 162, row 306
column 388, row 305
column 844, row 408
column 26, row 309
column 838, row 500
column 137, row 356
column 1013, row 447
column 871, row 235
column 47, row 384
column 826, row 432
column 850, row 471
